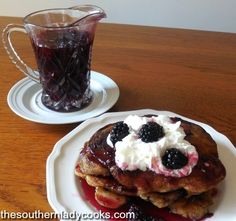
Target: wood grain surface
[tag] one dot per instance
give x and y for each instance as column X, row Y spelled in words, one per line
column 192, row 73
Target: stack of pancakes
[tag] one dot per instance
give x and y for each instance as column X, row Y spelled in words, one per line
column 189, row 196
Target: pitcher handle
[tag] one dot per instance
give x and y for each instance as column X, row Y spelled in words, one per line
column 15, row 58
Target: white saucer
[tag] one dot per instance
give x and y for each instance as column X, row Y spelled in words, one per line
column 24, row 99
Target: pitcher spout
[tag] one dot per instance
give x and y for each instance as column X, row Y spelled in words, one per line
column 88, row 13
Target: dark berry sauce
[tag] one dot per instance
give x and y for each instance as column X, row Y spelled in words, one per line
column 63, row 58
column 147, row 208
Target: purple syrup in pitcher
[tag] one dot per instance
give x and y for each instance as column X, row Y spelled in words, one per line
column 63, row 58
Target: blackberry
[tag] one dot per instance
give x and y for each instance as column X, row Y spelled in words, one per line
column 118, row 132
column 174, row 159
column 151, row 132
column 139, row 215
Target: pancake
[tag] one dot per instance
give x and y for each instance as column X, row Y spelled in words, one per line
column 96, row 164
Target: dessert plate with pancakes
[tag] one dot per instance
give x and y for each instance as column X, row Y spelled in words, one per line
column 158, row 157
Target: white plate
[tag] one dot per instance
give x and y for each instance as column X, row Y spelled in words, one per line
column 65, row 194
column 24, row 99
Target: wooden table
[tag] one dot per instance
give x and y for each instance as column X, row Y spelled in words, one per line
column 192, row 73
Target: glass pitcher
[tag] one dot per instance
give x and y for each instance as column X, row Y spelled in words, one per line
column 62, row 41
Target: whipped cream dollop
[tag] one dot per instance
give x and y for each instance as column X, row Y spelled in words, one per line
column 131, row 153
